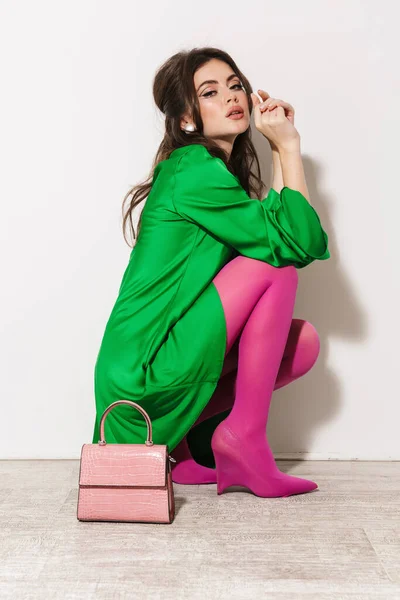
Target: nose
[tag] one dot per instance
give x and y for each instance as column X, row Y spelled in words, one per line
column 234, row 96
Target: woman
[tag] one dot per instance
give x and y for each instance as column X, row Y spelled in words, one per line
column 203, row 319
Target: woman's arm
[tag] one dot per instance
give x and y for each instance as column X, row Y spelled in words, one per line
column 277, row 179
column 292, row 170
column 283, row 229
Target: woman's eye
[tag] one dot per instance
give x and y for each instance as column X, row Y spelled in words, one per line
column 206, row 95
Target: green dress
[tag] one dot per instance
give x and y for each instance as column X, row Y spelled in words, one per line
column 164, row 343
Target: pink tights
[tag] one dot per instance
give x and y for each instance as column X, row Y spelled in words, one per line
column 266, row 350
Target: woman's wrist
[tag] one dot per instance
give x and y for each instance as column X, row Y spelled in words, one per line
column 289, row 148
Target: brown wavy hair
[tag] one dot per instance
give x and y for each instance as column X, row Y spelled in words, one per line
column 174, row 94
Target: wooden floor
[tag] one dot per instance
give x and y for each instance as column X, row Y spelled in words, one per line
column 340, row 541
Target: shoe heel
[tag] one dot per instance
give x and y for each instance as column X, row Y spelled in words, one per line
column 227, row 472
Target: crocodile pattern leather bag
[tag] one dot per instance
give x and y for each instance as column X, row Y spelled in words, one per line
column 126, row 482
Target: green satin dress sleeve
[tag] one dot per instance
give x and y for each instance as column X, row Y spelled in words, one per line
column 283, row 229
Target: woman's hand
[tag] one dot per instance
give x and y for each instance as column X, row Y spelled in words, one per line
column 271, row 103
column 274, row 118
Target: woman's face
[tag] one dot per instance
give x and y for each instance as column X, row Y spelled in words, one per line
column 215, row 99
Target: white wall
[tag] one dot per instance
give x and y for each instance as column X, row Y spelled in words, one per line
column 79, row 127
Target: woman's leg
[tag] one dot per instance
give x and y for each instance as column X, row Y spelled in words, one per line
column 258, row 302
column 300, row 354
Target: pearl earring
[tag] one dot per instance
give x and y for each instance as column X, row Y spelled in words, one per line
column 189, row 128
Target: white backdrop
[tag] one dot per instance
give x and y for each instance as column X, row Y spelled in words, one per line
column 79, row 128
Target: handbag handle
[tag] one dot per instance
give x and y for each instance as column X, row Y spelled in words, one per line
column 148, row 442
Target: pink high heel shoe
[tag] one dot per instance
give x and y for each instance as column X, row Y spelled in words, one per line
column 233, row 469
column 187, row 471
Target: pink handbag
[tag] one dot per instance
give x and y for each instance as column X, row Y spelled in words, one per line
column 126, row 482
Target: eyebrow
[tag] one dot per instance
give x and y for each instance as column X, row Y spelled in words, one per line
column 232, row 76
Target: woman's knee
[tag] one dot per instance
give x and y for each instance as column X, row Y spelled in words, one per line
column 290, row 272
column 268, row 271
column 288, row 275
column 310, row 341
